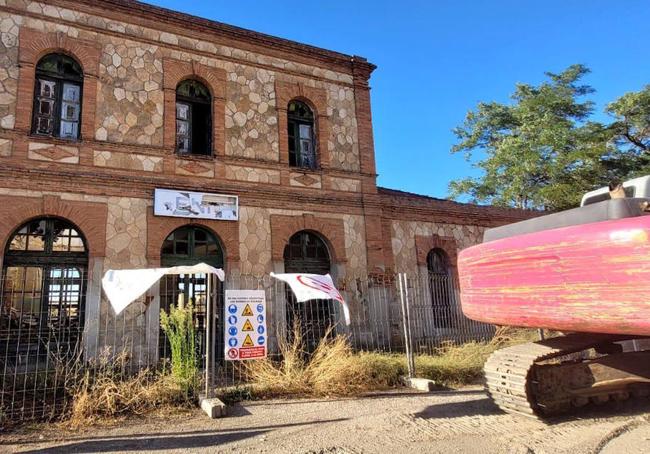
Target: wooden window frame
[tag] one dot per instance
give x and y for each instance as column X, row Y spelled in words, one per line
column 191, row 102
column 60, row 81
column 297, row 156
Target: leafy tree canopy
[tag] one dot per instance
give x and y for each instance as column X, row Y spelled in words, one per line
column 542, row 151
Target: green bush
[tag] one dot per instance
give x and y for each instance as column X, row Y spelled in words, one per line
column 179, row 328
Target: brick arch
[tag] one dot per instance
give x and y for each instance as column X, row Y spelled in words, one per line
column 159, row 228
column 330, row 230
column 89, row 217
column 34, row 45
column 174, row 72
column 315, row 98
column 424, row 244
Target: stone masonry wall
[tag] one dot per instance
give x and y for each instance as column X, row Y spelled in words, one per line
column 130, row 97
column 404, row 233
column 9, row 25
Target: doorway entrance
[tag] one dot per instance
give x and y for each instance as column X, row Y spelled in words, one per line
column 186, row 246
column 306, row 252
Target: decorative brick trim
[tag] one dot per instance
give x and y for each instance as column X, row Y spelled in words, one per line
column 159, row 228
column 331, row 230
column 89, row 217
column 424, row 244
column 316, row 98
column 33, row 45
column 361, row 73
column 174, row 72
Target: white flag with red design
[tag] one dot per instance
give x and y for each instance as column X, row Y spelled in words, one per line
column 314, row 287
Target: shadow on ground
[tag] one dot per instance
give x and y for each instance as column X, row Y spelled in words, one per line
column 478, row 407
column 162, row 441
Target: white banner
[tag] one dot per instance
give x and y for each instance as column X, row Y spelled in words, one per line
column 122, row 287
column 314, row 287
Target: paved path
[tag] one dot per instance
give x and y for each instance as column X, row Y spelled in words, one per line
column 450, row 422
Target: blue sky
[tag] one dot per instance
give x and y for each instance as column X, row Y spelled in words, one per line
column 438, row 59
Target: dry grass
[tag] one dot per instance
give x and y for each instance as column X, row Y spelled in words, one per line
column 331, row 369
column 335, row 370
column 106, row 392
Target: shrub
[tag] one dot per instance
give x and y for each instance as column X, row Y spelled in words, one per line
column 178, row 326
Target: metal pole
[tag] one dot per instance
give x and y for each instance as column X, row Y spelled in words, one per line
column 208, row 332
column 408, row 321
column 406, row 333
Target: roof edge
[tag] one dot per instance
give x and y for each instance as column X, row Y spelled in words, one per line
column 201, row 24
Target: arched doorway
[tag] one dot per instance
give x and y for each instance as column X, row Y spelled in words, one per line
column 440, row 286
column 42, row 304
column 306, row 252
column 190, row 245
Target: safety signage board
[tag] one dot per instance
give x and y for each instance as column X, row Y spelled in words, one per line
column 245, row 333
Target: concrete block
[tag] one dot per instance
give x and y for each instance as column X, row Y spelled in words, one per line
column 421, row 384
column 213, row 407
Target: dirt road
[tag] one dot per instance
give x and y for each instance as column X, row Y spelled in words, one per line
column 451, row 422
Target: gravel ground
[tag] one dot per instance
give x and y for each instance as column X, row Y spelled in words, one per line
column 462, row 421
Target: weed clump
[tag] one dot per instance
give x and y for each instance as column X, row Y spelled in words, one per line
column 179, row 329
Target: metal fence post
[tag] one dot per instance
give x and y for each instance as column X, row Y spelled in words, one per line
column 208, row 335
column 411, row 356
column 407, row 331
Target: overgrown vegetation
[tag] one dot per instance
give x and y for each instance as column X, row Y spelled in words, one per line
column 111, row 388
column 108, row 390
column 335, row 370
column 179, row 328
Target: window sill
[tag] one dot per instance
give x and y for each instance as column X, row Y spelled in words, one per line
column 55, row 140
column 195, row 157
column 316, row 170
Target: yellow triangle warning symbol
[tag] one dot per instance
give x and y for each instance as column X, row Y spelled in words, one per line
column 248, row 312
column 248, row 342
column 248, row 326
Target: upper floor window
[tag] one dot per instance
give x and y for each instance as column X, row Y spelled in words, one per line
column 193, row 118
column 57, row 100
column 302, row 152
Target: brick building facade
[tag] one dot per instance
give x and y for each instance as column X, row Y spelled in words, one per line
column 93, row 155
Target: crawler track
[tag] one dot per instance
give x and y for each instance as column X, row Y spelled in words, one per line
column 514, row 385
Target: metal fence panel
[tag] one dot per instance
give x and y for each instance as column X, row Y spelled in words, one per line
column 43, row 350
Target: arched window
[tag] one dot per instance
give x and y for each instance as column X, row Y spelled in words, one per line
column 302, row 149
column 189, row 245
column 57, row 100
column 438, row 262
column 193, row 118
column 306, row 252
column 43, row 291
column 440, row 287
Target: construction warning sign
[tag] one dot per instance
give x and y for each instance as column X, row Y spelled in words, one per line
column 245, row 325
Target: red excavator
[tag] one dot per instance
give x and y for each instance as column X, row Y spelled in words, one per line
column 584, row 273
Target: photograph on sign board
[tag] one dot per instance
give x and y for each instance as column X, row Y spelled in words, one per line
column 186, row 204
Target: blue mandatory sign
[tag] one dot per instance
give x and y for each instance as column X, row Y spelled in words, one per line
column 260, row 308
column 232, row 342
column 232, row 309
column 232, row 320
column 261, row 340
column 233, row 331
column 260, row 318
column 260, row 329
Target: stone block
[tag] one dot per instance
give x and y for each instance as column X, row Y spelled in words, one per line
column 213, row 407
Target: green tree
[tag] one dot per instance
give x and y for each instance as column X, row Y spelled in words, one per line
column 630, row 131
column 540, row 150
